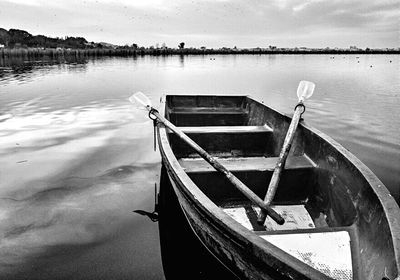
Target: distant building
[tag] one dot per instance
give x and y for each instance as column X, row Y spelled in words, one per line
column 353, row 48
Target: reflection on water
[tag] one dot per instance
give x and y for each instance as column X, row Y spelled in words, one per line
column 70, row 179
column 76, row 159
column 21, row 70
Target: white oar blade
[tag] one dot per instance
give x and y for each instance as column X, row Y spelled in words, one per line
column 140, row 100
column 305, row 90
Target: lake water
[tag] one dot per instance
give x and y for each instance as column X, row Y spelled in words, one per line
column 77, row 159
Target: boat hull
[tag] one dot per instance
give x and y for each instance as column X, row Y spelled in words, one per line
column 347, row 194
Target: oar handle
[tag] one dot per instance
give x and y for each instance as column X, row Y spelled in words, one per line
column 280, row 165
column 219, row 167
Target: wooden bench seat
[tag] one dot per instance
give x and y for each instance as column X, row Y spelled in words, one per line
column 225, row 140
column 206, row 116
column 209, row 110
column 199, row 165
column 225, row 129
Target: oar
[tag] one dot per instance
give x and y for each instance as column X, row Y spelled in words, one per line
column 304, row 91
column 143, row 101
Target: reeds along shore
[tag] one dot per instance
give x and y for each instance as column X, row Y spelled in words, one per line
column 56, row 53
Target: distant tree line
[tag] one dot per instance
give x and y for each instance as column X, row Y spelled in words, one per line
column 15, row 42
column 21, row 38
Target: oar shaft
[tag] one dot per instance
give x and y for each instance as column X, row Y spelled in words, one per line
column 219, row 167
column 280, row 165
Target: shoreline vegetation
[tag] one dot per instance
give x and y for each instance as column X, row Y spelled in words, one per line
column 16, row 43
column 29, row 52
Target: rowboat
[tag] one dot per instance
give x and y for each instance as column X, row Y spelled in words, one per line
column 340, row 221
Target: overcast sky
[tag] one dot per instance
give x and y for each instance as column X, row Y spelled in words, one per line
column 218, row 23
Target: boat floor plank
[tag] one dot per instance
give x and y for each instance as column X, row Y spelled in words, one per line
column 199, row 165
column 334, row 260
column 296, row 217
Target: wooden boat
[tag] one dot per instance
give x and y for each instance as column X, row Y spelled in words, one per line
column 340, row 220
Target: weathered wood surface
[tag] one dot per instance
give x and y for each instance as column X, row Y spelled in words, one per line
column 340, row 191
column 222, row 144
column 243, row 252
column 219, row 167
column 197, row 165
column 225, row 129
column 208, row 110
column 280, row 165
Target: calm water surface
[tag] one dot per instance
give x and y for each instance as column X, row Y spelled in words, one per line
column 77, row 159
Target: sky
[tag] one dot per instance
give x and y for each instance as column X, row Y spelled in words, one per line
column 212, row 23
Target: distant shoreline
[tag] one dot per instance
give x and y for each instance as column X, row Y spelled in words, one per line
column 20, row 43
column 94, row 52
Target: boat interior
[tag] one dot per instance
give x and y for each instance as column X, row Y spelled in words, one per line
column 332, row 216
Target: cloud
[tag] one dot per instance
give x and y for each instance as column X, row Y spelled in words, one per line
column 25, row 2
column 211, row 23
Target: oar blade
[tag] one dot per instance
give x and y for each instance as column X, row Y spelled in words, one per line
column 305, row 90
column 140, row 100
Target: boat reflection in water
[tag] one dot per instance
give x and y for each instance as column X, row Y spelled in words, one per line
column 182, row 253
